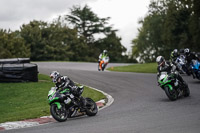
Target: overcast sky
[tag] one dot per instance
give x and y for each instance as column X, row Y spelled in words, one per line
column 124, row 13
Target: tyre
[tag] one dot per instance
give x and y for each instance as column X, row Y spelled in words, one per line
column 59, row 114
column 171, row 94
column 99, row 68
column 186, row 91
column 91, row 107
column 188, row 72
column 103, row 67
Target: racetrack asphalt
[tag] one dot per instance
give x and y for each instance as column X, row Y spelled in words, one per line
column 140, row 106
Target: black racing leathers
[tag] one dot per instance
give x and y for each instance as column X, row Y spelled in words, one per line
column 169, row 68
column 66, row 82
column 189, row 57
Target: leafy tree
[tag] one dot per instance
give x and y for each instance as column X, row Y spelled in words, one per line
column 12, row 45
column 87, row 23
column 149, row 42
column 41, row 40
column 48, row 41
column 33, row 36
column 194, row 24
column 113, row 45
column 169, row 24
column 176, row 33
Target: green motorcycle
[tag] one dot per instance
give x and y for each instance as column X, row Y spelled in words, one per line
column 65, row 105
column 172, row 86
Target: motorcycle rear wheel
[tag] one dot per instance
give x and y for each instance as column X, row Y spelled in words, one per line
column 91, row 107
column 59, row 114
column 171, row 94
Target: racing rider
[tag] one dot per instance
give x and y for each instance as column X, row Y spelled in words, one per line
column 63, row 82
column 166, row 66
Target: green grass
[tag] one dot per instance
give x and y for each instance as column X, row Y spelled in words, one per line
column 138, row 68
column 19, row 101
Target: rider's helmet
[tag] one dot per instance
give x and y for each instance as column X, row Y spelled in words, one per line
column 160, row 60
column 175, row 53
column 55, row 76
column 187, row 51
column 105, row 51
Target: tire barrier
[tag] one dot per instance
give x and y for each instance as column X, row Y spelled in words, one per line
column 18, row 70
column 14, row 61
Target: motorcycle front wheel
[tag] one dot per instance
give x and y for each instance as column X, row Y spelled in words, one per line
column 99, row 68
column 171, row 94
column 91, row 107
column 103, row 67
column 59, row 114
column 186, row 91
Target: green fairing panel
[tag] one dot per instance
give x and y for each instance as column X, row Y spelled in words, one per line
column 163, row 83
column 58, row 105
column 56, row 98
column 170, row 87
column 66, row 90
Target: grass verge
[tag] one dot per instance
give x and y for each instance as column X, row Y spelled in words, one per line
column 19, row 101
column 138, row 68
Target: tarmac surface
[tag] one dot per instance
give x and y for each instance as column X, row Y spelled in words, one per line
column 140, row 106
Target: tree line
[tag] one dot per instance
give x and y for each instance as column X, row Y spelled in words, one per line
column 68, row 38
column 169, row 24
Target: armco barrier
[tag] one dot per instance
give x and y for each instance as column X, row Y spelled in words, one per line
column 16, row 70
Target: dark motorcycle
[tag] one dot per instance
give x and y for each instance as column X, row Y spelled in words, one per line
column 65, row 105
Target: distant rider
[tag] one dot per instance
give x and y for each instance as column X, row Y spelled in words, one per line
column 166, row 66
column 189, row 56
column 63, row 82
column 174, row 55
column 103, row 55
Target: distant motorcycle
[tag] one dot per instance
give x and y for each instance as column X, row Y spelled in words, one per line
column 103, row 63
column 181, row 64
column 196, row 68
column 172, row 86
column 68, row 106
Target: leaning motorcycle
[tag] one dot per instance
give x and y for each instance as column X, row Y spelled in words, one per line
column 103, row 63
column 65, row 105
column 172, row 86
column 196, row 68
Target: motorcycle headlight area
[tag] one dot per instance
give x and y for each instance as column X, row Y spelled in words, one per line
column 53, row 89
column 51, row 97
column 162, row 77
